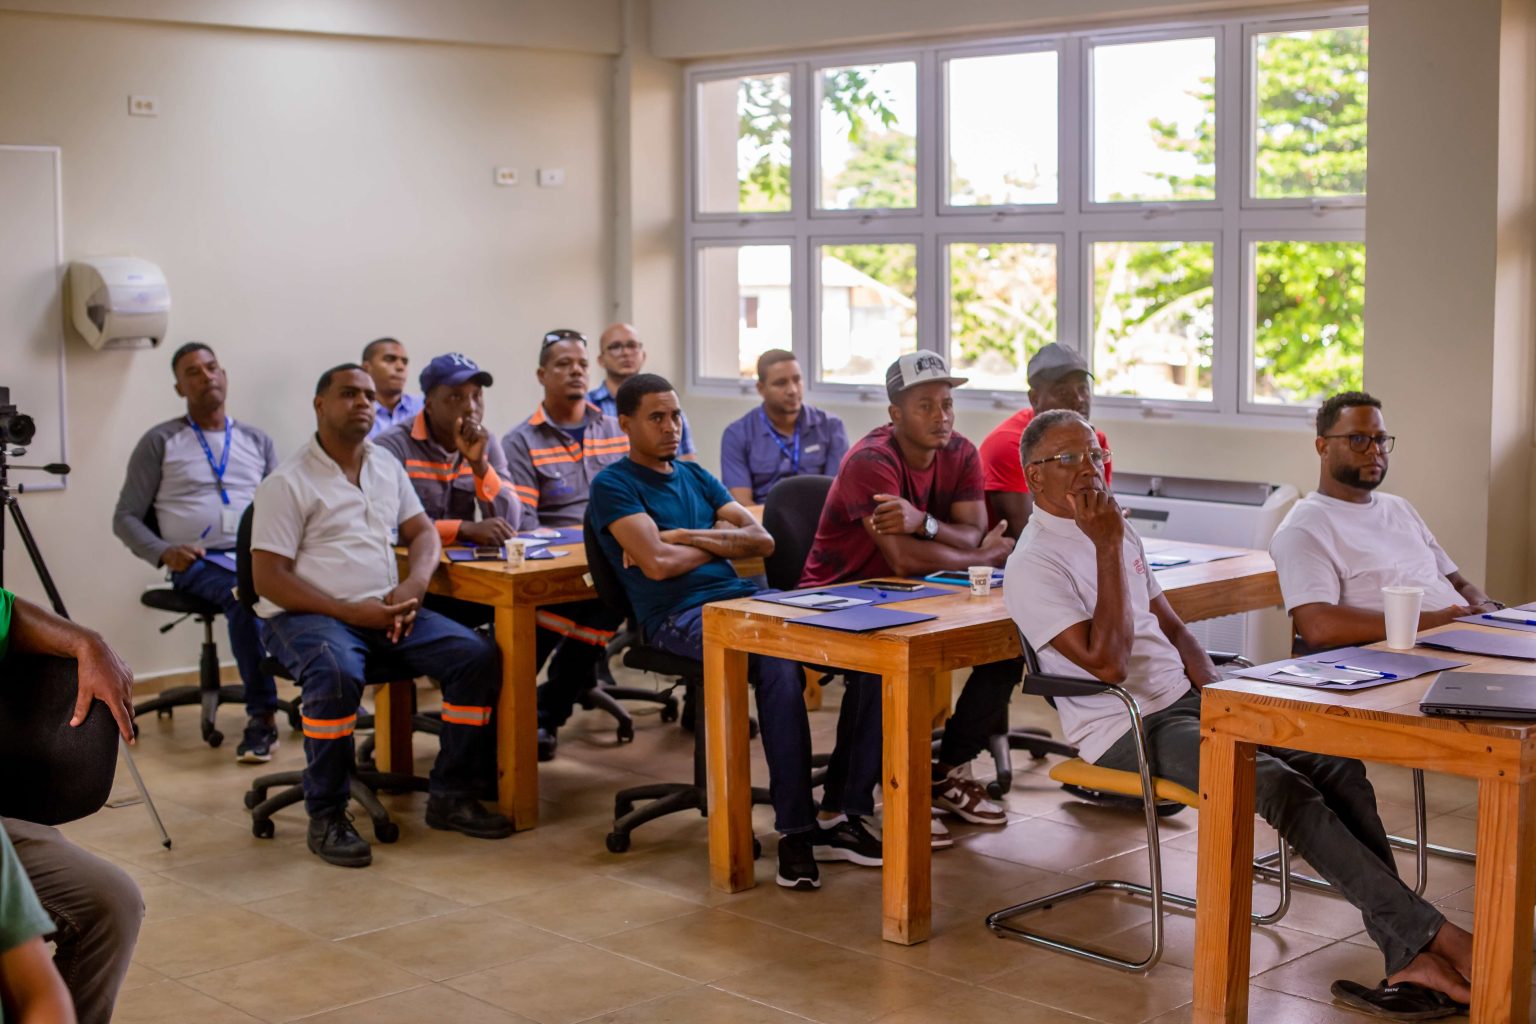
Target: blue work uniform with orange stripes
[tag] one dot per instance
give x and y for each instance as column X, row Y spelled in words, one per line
column 551, row 470
column 450, row 492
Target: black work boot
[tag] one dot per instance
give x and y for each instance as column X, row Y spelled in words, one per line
column 464, row 814
column 333, row 839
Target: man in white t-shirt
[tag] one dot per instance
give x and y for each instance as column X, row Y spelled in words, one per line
column 1078, row 587
column 338, row 616
column 1342, row 543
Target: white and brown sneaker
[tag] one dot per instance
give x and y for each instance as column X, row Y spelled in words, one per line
column 966, row 799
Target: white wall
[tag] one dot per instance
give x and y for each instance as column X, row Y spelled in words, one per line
column 304, row 194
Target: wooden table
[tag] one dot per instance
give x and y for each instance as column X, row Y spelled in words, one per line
column 968, row 631
column 1380, row 724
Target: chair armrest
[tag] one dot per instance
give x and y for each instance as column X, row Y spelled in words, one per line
column 1043, row 684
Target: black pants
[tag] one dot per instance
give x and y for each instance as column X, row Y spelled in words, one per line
column 981, row 711
column 1323, row 806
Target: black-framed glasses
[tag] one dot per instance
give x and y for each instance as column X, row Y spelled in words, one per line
column 1361, row 443
column 563, row 334
column 1097, row 456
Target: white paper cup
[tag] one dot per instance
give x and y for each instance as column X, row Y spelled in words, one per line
column 981, row 580
column 1401, row 605
column 515, row 552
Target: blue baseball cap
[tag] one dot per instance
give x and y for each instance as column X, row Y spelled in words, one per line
column 452, row 369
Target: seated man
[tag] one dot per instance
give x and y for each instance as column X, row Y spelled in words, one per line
column 621, row 354
column 553, row 456
column 1341, row 544
column 388, row 363
column 323, row 561
column 1078, row 588
column 907, row 502
column 670, row 531
column 196, row 474
column 29, row 983
column 1058, row 379
column 94, row 909
column 783, row 437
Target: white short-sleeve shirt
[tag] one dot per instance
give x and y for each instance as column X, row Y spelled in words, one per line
column 1328, row 551
column 1052, row 582
column 340, row 536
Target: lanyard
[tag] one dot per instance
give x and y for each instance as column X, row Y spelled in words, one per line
column 223, row 463
column 790, row 452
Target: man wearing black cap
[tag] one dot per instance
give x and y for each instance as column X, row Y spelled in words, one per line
column 1058, row 379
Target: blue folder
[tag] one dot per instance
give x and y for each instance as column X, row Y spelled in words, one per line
column 862, row 619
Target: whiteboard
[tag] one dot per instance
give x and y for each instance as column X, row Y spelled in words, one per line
column 31, row 301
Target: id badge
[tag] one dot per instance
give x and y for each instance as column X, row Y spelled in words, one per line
column 229, row 520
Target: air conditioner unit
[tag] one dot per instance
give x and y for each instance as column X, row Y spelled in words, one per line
column 1230, row 513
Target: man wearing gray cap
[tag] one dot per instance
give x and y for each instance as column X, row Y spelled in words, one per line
column 1058, row 379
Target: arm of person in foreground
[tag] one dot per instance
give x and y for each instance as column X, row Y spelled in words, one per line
column 102, row 674
column 31, row 990
column 892, row 524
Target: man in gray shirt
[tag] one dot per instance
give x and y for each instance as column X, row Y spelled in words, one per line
column 188, row 481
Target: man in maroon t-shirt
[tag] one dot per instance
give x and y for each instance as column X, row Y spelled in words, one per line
column 1058, row 379
column 907, row 502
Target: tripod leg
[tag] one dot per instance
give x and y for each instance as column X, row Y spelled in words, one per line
column 149, row 803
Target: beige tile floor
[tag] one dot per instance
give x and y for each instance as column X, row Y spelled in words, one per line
column 548, row 926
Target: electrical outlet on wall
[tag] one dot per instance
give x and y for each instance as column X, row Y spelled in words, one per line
column 551, row 177
column 506, row 176
column 143, row 106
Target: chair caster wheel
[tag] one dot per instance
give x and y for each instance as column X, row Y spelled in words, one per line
column 996, row 790
column 617, row 842
column 757, row 848
column 669, row 711
column 252, row 798
column 623, row 810
column 1168, row 809
column 263, row 829
column 214, row 738
column 163, row 712
column 386, row 832
column 626, row 732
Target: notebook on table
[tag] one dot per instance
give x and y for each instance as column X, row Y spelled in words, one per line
column 1497, row 645
column 1481, row 695
column 862, row 619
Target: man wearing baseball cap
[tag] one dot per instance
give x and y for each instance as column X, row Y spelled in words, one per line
column 908, row 501
column 1058, row 379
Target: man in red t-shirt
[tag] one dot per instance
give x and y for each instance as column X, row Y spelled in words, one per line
column 907, row 501
column 1058, row 379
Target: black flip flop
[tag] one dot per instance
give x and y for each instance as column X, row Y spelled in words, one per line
column 1403, row 1001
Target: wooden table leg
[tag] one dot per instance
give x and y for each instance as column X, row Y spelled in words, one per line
column 1501, row 939
column 1224, row 891
column 943, row 700
column 517, row 720
column 730, row 768
column 394, row 706
column 906, row 703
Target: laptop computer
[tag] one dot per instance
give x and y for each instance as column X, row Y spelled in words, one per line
column 1481, row 695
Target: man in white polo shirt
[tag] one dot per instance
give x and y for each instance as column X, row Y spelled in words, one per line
column 1078, row 587
column 338, row 616
column 1341, row 544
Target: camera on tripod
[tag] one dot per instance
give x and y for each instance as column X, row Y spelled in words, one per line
column 15, row 427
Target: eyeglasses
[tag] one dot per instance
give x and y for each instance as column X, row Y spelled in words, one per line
column 1361, row 443
column 564, row 334
column 1097, row 456
column 622, row 346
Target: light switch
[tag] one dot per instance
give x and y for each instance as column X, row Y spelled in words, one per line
column 551, row 177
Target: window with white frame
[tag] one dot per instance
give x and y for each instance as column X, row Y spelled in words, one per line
column 1183, row 203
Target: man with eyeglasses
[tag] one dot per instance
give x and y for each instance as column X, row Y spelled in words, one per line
column 621, row 355
column 1342, row 543
column 1078, row 587
column 553, row 456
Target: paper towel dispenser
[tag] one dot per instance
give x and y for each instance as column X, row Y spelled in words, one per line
column 119, row 302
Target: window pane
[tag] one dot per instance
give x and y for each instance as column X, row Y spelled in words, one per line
column 744, row 144
column 1154, row 121
column 1002, row 308
column 743, row 307
column 1002, row 153
column 868, row 309
column 1309, row 330
column 1310, row 113
column 868, row 136
column 1153, row 319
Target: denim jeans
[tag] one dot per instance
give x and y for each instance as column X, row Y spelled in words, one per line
column 1323, row 806
column 786, row 731
column 334, row 661
column 216, row 584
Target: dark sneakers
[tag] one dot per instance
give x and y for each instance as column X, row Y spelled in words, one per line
column 258, row 743
column 465, row 814
column 846, row 838
column 797, row 866
column 333, row 839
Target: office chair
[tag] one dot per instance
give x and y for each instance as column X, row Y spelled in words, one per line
column 1141, row 784
column 665, row 797
column 364, row 783
column 50, row 772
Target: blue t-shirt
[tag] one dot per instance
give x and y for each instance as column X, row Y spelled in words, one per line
column 755, row 455
column 685, row 499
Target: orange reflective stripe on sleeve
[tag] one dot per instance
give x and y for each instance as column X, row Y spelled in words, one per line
column 448, row 530
column 527, row 495
column 466, row 714
column 329, row 728
column 574, row 630
column 488, row 486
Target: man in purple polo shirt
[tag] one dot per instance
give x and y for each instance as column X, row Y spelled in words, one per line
column 783, row 437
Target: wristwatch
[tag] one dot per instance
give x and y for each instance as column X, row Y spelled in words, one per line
column 930, row 528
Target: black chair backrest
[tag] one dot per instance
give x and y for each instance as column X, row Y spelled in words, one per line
column 790, row 514
column 245, row 580
column 51, row 773
column 605, row 579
